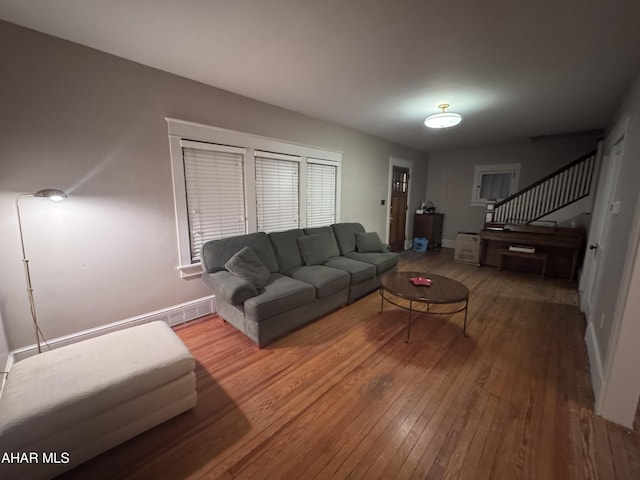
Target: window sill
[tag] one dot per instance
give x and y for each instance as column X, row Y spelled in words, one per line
column 190, row 271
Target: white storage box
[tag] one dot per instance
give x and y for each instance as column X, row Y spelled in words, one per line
column 467, row 248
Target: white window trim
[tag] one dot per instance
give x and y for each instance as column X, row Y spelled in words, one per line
column 513, row 168
column 182, row 131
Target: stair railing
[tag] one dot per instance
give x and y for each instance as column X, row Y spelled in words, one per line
column 553, row 192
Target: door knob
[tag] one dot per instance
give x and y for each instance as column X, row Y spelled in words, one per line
column 593, row 247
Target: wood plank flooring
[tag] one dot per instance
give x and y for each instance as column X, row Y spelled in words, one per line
column 346, row 398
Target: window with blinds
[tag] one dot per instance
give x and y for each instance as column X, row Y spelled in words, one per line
column 321, row 194
column 214, row 183
column 494, row 182
column 277, row 191
column 495, row 185
column 229, row 183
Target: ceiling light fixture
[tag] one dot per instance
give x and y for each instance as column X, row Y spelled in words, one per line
column 443, row 119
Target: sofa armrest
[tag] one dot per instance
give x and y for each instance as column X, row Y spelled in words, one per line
column 229, row 288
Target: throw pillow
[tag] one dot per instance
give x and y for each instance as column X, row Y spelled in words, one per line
column 368, row 242
column 312, row 249
column 246, row 264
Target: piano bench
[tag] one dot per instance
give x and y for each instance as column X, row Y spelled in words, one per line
column 541, row 257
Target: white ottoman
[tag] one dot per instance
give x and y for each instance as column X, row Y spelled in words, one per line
column 62, row 407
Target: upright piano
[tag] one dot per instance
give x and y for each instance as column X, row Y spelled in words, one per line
column 565, row 247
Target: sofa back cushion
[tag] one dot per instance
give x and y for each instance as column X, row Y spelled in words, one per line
column 328, row 239
column 216, row 253
column 285, row 247
column 346, row 236
column 312, row 249
column 369, row 242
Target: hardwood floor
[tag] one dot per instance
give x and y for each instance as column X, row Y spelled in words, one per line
column 346, row 398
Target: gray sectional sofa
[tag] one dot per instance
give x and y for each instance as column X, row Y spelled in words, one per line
column 269, row 284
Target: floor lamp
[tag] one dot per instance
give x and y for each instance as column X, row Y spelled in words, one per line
column 56, row 196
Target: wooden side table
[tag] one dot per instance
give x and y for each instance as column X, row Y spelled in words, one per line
column 429, row 226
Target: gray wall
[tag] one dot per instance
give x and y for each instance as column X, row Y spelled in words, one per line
column 451, row 174
column 4, row 347
column 93, row 124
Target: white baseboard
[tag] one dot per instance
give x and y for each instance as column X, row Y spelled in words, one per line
column 595, row 362
column 174, row 315
column 584, row 303
column 6, row 370
column 408, row 244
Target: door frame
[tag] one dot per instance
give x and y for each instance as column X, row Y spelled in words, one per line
column 598, row 234
column 618, row 397
column 587, row 273
column 601, row 367
column 592, row 269
column 399, row 162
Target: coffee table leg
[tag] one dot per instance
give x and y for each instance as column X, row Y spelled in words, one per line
column 464, row 328
column 409, row 322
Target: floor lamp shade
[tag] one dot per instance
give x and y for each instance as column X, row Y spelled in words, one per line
column 51, row 193
column 55, row 195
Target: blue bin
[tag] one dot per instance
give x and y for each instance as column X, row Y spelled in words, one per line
column 420, row 244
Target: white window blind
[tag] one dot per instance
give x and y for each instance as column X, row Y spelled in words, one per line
column 215, row 193
column 494, row 182
column 277, row 191
column 321, row 194
column 495, row 185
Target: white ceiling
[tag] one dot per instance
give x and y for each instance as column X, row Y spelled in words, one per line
column 513, row 69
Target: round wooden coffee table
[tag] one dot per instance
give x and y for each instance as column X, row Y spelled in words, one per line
column 443, row 290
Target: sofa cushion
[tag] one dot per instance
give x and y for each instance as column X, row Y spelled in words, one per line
column 215, row 253
column 285, row 247
column 328, row 239
column 247, row 265
column 281, row 294
column 312, row 249
column 369, row 242
column 383, row 262
column 326, row 280
column 346, row 236
column 358, row 271
column 230, row 288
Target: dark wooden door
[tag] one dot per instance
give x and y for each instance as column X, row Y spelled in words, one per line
column 398, row 211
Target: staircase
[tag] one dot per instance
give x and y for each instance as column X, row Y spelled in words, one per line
column 557, row 190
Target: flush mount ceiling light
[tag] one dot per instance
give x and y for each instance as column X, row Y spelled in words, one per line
column 443, row 119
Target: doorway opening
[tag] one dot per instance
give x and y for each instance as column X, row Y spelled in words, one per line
column 398, row 207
